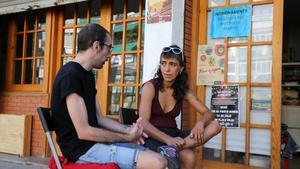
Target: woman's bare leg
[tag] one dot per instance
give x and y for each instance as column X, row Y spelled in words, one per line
column 212, row 129
column 187, row 159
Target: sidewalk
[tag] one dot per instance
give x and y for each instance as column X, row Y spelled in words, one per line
column 15, row 162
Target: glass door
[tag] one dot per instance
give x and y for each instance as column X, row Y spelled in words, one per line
column 250, row 62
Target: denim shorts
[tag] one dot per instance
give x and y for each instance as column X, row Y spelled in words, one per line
column 153, row 144
column 124, row 154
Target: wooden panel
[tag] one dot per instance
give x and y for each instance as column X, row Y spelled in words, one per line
column 217, row 165
column 15, row 134
column 276, row 83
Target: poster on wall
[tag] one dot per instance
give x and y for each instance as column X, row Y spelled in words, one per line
column 159, row 11
column 225, row 105
column 210, row 64
column 231, row 22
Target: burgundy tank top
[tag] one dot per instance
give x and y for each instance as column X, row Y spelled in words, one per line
column 158, row 117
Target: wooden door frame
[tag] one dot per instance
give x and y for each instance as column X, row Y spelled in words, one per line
column 199, row 37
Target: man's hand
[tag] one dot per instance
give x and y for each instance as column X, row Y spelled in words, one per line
column 136, row 133
column 198, row 132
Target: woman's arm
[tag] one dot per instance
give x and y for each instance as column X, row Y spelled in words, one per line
column 199, row 107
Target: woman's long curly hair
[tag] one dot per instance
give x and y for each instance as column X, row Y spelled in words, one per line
column 180, row 86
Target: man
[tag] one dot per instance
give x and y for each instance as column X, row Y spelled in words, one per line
column 83, row 133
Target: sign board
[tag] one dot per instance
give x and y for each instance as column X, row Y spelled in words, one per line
column 225, row 105
column 210, row 64
column 231, row 22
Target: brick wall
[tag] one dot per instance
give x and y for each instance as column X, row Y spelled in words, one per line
column 26, row 103
column 187, row 51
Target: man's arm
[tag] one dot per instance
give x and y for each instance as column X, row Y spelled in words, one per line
column 108, row 123
column 78, row 114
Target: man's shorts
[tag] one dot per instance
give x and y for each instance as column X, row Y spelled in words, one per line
column 153, row 144
column 124, row 154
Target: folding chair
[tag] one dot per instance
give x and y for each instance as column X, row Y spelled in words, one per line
column 128, row 116
column 61, row 162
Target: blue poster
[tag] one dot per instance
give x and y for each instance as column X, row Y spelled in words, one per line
column 231, row 22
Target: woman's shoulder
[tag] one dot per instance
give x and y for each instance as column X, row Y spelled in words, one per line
column 151, row 81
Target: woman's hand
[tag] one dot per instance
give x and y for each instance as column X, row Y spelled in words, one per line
column 135, row 133
column 176, row 141
column 198, row 132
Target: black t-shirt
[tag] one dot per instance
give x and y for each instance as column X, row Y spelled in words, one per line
column 72, row 78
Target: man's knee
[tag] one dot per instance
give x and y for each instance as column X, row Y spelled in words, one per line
column 161, row 161
column 149, row 159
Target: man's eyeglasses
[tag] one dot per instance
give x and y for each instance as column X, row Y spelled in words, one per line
column 110, row 46
column 175, row 50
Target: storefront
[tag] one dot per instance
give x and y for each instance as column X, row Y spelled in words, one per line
column 41, row 41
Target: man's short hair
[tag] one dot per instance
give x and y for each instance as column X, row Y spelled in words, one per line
column 89, row 34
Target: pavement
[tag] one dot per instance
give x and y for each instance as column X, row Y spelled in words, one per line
column 8, row 161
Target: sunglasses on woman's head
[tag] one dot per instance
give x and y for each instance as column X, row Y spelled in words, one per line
column 175, row 50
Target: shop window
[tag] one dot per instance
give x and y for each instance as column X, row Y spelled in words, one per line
column 29, row 56
column 75, row 16
column 125, row 73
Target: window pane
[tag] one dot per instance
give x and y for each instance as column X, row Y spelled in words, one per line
column 261, row 105
column 261, row 64
column 77, row 31
column 95, row 71
column 235, row 145
column 143, row 7
column 238, row 1
column 260, row 141
column 243, row 103
column 39, row 68
column 238, row 40
column 133, row 9
column 129, row 97
column 18, row 72
column 117, row 36
column 30, row 44
column 237, row 64
column 69, row 14
column 66, row 60
column 20, row 22
column 141, row 67
column 42, row 20
column 28, row 72
column 118, row 9
column 262, row 23
column 115, row 69
column 212, row 149
column 214, row 3
column 95, row 11
column 214, row 40
column 30, row 21
column 142, row 34
column 41, row 38
column 19, row 50
column 131, row 35
column 114, row 101
column 81, row 13
column 68, row 41
column 130, row 68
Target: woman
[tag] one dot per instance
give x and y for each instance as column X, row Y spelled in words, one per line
column 161, row 102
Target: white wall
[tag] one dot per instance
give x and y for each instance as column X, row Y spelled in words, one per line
column 159, row 35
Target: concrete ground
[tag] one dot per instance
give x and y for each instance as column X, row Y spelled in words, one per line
column 15, row 162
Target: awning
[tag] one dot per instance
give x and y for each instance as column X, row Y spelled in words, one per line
column 14, row 6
